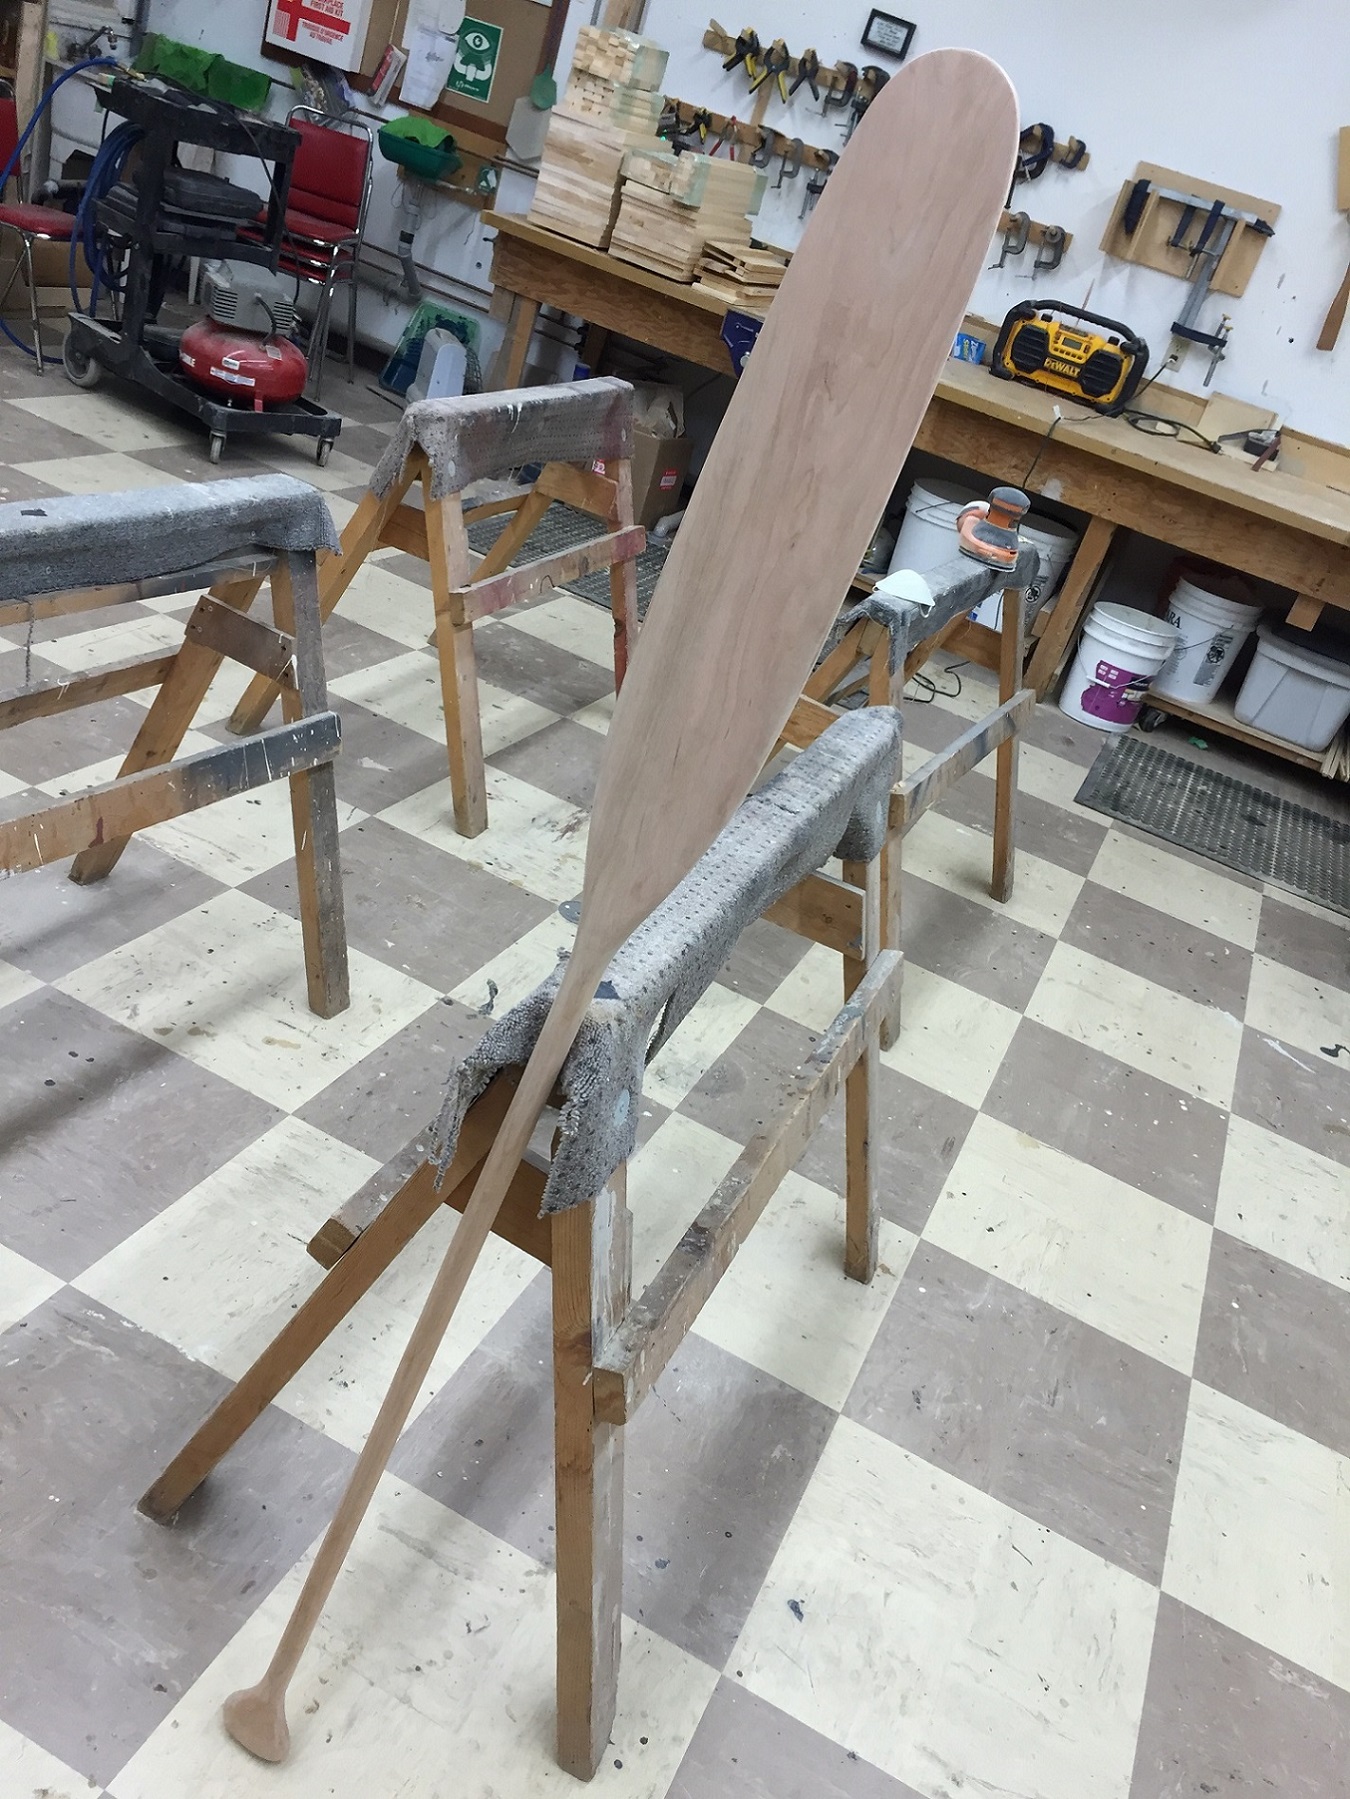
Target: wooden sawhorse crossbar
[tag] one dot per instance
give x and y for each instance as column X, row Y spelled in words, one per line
column 442, row 446
column 609, row 1347
column 47, row 547
column 882, row 646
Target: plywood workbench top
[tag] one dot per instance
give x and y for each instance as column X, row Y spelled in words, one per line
column 1308, row 506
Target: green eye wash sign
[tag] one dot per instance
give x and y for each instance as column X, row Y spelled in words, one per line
column 476, row 56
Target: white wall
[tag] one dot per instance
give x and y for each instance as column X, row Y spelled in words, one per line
column 1248, row 93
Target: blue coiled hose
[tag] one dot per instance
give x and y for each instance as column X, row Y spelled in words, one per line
column 104, row 175
column 93, row 62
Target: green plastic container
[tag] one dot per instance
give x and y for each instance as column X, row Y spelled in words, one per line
column 423, row 148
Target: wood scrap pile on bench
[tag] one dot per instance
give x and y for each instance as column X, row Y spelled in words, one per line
column 745, row 278
column 84, row 553
column 672, row 207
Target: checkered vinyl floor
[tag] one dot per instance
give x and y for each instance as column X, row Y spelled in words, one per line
column 1057, row 1508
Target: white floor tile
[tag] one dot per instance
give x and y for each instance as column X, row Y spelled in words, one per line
column 29, row 1769
column 111, row 472
column 295, row 456
column 23, row 1286
column 954, row 856
column 533, row 840
column 385, row 602
column 670, row 1179
column 15, row 984
column 571, row 624
column 596, row 716
column 944, row 1637
column 1051, row 778
column 222, row 1270
column 10, row 784
column 709, row 1031
column 238, row 838
column 106, row 420
column 1153, row 1029
column 224, row 985
column 813, row 992
column 431, row 1669
column 1081, row 1240
column 1311, row 1015
column 1203, row 897
column 107, row 646
column 519, row 968
column 785, row 1305
column 108, row 768
column 1261, row 1533
column 1287, row 1200
column 407, row 689
column 950, row 1038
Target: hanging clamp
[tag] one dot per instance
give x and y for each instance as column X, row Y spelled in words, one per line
column 747, row 49
column 762, row 155
column 776, row 64
column 1051, row 252
column 808, row 67
column 792, row 162
column 1015, row 235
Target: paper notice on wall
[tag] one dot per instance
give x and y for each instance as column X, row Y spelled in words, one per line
column 330, row 31
column 430, row 54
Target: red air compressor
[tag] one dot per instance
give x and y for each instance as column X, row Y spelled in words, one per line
column 241, row 349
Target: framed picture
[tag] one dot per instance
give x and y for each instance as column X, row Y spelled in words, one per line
column 885, row 32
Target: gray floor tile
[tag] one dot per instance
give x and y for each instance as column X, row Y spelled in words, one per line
column 1278, row 1339
column 921, row 1131
column 431, row 915
column 349, row 647
column 562, row 759
column 1115, row 1118
column 1293, row 1095
column 1050, row 729
column 45, row 748
column 100, row 1129
column 1223, row 1716
column 1318, row 947
column 974, row 945
column 49, row 925
column 382, row 762
column 745, row 1748
column 717, row 1460
column 108, row 1617
column 524, row 664
column 1066, row 1424
column 387, row 1099
column 1045, row 830
column 764, row 956
column 39, row 440
column 1171, row 952
column 15, row 485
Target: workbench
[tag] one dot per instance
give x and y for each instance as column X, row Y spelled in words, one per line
column 1289, row 525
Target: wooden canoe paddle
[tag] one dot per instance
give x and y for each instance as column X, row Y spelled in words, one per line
column 1331, row 325
column 801, row 470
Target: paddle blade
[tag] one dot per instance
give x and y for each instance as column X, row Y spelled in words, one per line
column 801, row 470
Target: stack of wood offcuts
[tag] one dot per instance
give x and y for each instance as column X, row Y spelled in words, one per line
column 744, row 278
column 606, row 179
column 612, row 104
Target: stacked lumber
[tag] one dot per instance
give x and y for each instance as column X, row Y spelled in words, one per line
column 672, row 206
column 620, row 56
column 611, row 105
column 746, row 279
column 613, row 102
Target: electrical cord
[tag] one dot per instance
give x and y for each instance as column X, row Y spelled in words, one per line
column 91, row 62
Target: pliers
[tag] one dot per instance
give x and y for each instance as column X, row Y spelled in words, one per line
column 776, row 62
column 747, row 49
column 808, row 67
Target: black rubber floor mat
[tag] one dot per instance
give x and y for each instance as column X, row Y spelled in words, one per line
column 560, row 528
column 1227, row 820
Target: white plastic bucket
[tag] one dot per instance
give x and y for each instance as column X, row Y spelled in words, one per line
column 1055, row 545
column 928, row 535
column 1119, row 653
column 1213, row 626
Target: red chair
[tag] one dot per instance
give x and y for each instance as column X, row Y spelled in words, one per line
column 326, row 220
column 33, row 224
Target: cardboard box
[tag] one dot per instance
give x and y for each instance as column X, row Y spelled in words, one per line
column 660, row 465
column 51, row 265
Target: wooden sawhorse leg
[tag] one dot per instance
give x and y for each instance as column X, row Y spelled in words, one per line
column 1069, row 606
column 592, row 1268
column 508, row 366
column 1005, row 771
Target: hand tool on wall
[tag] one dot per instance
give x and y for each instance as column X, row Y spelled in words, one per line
column 792, row 162
column 762, row 155
column 711, row 683
column 774, row 68
column 1035, row 148
column 808, row 68
column 1331, row 325
column 815, row 185
column 1051, row 252
column 746, row 52
column 1015, row 235
column 835, row 100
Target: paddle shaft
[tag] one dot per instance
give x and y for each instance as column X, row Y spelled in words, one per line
column 1331, row 326
column 583, row 971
